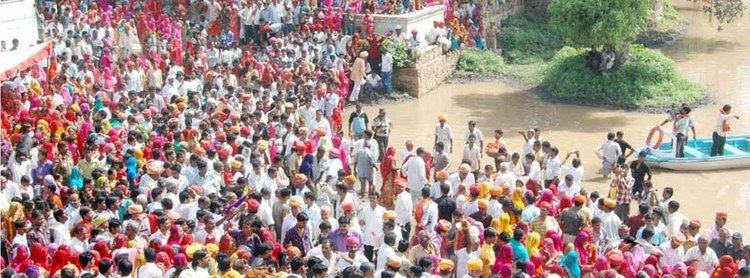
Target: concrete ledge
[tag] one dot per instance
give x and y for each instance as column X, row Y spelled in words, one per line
column 428, row 72
column 420, row 20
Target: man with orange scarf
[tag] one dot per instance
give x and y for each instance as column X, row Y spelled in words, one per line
column 721, row 130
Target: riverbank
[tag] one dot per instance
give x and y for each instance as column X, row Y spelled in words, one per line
column 532, row 58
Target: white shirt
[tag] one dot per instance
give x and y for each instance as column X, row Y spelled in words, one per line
column 404, row 208
column 704, row 262
column 577, row 173
column 551, row 167
column 568, row 190
column 149, row 270
column 477, row 134
column 430, row 216
column 671, row 256
column 78, row 245
column 373, row 226
column 415, row 172
column 495, row 209
column 508, row 179
column 472, row 153
column 535, row 171
column 435, row 191
column 675, row 221
column 609, row 151
column 383, row 254
column 528, row 147
column 444, row 134
column 455, row 181
column 719, row 124
column 610, row 224
column 386, row 63
column 462, row 258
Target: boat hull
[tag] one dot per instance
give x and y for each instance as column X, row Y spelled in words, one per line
column 697, row 155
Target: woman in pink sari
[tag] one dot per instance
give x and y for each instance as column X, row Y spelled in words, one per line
column 344, row 154
column 549, row 197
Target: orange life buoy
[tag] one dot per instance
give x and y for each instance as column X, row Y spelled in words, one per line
column 651, row 137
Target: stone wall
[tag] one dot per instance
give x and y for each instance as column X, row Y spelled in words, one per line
column 427, row 73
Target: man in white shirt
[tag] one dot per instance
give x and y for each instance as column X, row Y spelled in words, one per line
column 444, row 134
column 722, row 129
column 313, row 211
column 675, row 218
column 371, row 221
column 568, row 187
column 673, row 252
column 404, row 208
column 535, row 171
column 463, row 177
column 608, row 152
column 551, row 166
column 416, row 172
column 149, row 269
column 610, row 222
column 472, row 154
column 386, row 249
column 505, row 177
column 386, row 71
column 703, row 257
column 473, row 130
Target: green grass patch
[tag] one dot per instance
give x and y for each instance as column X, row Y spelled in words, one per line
column 528, row 38
column 650, row 80
column 475, row 62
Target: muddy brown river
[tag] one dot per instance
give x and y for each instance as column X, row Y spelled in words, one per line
column 720, row 61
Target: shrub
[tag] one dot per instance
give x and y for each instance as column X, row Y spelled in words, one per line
column 529, row 38
column 403, row 57
column 473, row 61
column 649, row 80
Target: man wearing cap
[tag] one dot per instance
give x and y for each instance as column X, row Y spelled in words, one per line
column 357, row 76
column 443, row 133
column 610, row 222
column 404, row 207
column 691, row 237
column 481, row 214
column 461, row 179
column 672, row 251
column 737, row 249
column 572, row 220
column 702, row 257
column 392, row 263
column 414, row 41
column 719, row 222
column 475, row 267
column 351, row 256
column 545, row 222
column 440, row 181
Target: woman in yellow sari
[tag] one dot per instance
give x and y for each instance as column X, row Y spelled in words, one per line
column 15, row 213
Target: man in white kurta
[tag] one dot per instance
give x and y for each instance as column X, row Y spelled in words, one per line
column 416, row 173
column 444, row 134
column 371, row 221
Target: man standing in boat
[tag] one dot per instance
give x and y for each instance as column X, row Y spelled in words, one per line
column 721, row 130
column 682, row 125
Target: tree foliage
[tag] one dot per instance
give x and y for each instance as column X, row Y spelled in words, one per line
column 725, row 11
column 609, row 25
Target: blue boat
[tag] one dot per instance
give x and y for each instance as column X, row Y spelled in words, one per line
column 698, row 155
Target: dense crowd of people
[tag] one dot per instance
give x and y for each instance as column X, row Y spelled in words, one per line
column 207, row 140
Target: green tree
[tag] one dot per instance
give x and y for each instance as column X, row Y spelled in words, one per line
column 606, row 27
column 725, row 11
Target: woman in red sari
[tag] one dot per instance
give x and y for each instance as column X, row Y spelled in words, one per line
column 389, row 172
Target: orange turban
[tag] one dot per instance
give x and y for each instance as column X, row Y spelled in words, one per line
column 442, row 175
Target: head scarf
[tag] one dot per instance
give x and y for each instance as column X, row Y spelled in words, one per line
column 306, row 167
column 532, row 243
column 174, row 236
column 517, row 198
column 39, row 255
column 556, row 239
column 21, row 259
column 582, row 239
column 386, row 167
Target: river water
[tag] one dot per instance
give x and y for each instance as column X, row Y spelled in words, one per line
column 717, row 60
